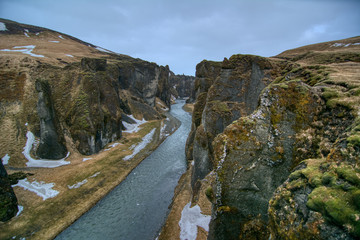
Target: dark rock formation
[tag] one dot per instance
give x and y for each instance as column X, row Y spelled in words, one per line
column 8, row 201
column 233, row 94
column 183, row 86
column 79, row 103
column 52, row 144
column 282, row 139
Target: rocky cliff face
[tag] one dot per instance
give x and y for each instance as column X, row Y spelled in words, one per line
column 72, row 95
column 281, row 136
column 183, row 86
column 8, row 201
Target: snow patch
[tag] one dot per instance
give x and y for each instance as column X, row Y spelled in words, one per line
column 86, row 159
column 163, row 107
column 344, row 44
column 20, row 209
column 79, row 184
column 26, row 33
column 163, row 128
column 55, row 41
column 46, row 163
column 69, row 55
column 3, row 26
column 146, row 140
column 94, row 175
column 23, row 49
column 5, row 159
column 190, row 219
column 42, row 189
column 103, row 50
column 131, row 128
column 61, row 37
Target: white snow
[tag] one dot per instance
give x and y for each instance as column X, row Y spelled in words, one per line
column 131, row 128
column 26, row 124
column 79, row 184
column 103, row 50
column 3, row 26
column 42, row 189
column 190, row 219
column 20, row 208
column 94, row 175
column 46, row 163
column 69, row 55
column 5, row 159
column 61, row 37
column 114, row 145
column 146, row 140
column 26, row 33
column 344, row 45
column 54, row 41
column 37, row 34
column 163, row 128
column 23, row 49
column 111, row 146
column 163, row 107
column 85, row 159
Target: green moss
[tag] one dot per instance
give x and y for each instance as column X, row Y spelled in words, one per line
column 336, row 193
column 354, row 140
column 219, row 107
column 330, row 93
column 209, row 192
column 334, row 205
column 349, row 174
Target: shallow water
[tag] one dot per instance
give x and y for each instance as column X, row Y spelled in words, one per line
column 137, row 208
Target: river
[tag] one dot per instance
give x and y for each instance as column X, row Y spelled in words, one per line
column 138, row 207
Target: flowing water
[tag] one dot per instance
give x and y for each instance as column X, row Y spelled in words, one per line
column 137, row 208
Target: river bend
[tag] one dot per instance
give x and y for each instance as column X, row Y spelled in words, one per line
column 137, row 208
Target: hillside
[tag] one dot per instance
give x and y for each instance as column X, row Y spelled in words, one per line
column 71, row 116
column 275, row 145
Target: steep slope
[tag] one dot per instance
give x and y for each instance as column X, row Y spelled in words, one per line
column 8, row 201
column 275, row 143
column 75, row 120
column 69, row 93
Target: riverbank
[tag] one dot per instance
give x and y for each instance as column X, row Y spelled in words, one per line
column 183, row 196
column 81, row 184
column 179, row 216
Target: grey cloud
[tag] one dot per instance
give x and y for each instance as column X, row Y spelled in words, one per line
column 182, row 33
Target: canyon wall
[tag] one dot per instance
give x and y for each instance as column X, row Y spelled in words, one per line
column 280, row 139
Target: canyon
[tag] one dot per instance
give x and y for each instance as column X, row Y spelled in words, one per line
column 274, row 148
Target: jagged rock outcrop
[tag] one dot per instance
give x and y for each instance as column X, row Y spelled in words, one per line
column 281, row 136
column 234, row 93
column 206, row 73
column 183, row 86
column 71, row 94
column 8, row 200
column 52, row 143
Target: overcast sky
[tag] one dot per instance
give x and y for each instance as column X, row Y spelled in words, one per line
column 181, row 33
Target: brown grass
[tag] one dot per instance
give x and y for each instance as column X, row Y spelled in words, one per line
column 45, row 219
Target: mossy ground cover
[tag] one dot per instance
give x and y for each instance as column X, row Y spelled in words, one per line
column 335, row 194
column 45, row 219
